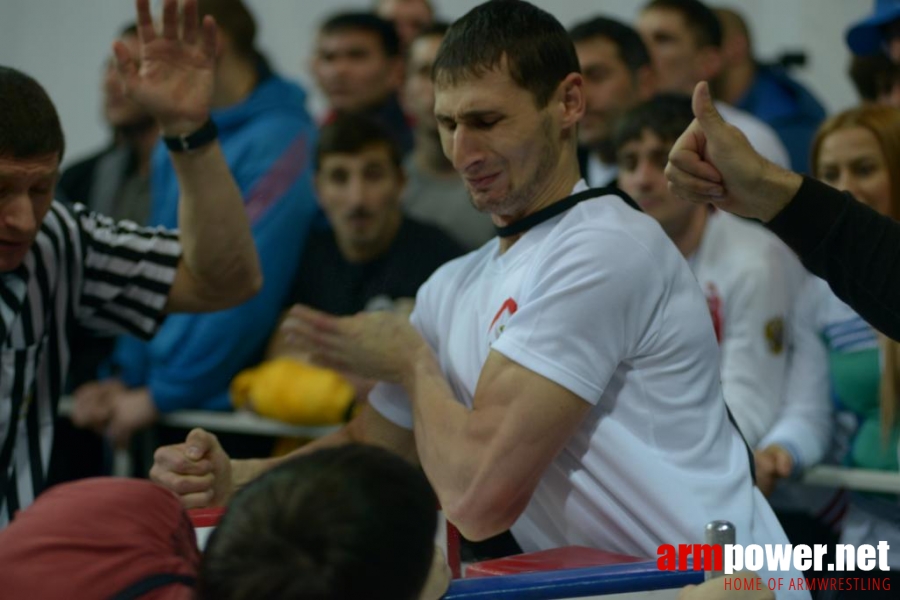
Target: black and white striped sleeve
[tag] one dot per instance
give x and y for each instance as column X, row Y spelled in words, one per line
column 127, row 272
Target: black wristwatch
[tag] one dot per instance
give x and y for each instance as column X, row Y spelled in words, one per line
column 185, row 143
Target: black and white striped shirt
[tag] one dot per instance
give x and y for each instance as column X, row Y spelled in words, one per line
column 82, row 269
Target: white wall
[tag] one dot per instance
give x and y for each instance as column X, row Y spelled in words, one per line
column 63, row 43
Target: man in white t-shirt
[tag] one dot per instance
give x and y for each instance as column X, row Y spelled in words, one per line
column 749, row 277
column 561, row 381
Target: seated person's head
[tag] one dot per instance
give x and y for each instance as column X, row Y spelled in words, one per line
column 359, row 183
column 410, row 17
column 357, row 61
column 617, row 75
column 236, row 35
column 878, row 33
column 643, row 139
column 347, row 522
column 876, row 79
column 685, row 42
column 858, row 150
column 419, row 88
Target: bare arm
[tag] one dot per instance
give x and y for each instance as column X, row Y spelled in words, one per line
column 219, row 267
column 367, row 427
column 173, row 81
column 201, row 473
column 486, row 463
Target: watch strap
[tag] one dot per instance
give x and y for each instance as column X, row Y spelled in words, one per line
column 185, row 143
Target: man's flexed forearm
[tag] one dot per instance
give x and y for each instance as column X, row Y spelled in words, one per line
column 218, row 249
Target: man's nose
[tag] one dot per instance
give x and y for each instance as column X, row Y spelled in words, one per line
column 467, row 151
column 18, row 214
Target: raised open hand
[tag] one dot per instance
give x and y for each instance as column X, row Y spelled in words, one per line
column 173, row 76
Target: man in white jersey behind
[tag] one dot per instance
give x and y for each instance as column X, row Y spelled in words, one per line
column 561, row 381
column 748, row 275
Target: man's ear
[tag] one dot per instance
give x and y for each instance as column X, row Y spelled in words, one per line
column 571, row 100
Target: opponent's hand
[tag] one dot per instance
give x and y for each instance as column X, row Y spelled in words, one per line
column 712, row 162
column 198, row 471
column 173, row 77
column 773, row 463
column 375, row 345
column 132, row 411
column 93, row 404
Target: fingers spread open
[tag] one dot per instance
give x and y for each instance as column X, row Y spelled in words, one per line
column 189, row 25
column 209, row 38
column 146, row 30
column 170, row 19
column 126, row 64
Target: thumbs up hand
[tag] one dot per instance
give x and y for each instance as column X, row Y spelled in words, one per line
column 712, row 162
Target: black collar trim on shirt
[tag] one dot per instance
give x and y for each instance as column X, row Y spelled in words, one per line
column 548, row 212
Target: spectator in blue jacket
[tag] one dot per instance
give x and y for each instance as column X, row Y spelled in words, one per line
column 268, row 139
column 767, row 91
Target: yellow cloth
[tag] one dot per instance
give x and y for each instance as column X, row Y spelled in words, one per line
column 293, row 391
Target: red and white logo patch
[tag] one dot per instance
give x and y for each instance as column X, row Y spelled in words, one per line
column 498, row 324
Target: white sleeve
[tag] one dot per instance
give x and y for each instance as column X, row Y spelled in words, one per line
column 804, row 425
column 754, row 354
column 585, row 307
column 390, row 399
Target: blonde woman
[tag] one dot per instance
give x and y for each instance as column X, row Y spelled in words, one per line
column 838, row 357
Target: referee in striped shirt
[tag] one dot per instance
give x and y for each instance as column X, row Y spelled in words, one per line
column 62, row 267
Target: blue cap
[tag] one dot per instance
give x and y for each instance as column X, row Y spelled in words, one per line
column 865, row 38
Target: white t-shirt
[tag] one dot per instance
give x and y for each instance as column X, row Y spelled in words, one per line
column 748, row 276
column 762, row 137
column 599, row 300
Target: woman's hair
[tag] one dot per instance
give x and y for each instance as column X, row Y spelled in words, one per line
column 884, row 123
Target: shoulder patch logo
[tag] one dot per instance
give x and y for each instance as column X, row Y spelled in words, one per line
column 775, row 335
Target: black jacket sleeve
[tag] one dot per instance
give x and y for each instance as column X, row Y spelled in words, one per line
column 855, row 249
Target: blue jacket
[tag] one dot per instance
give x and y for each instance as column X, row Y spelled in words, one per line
column 268, row 141
column 788, row 107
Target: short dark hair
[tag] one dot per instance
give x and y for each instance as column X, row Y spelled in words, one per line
column 352, row 521
column 351, row 133
column 700, row 19
column 234, row 18
column 628, row 42
column 664, row 115
column 365, row 21
column 537, row 48
column 29, row 123
column 437, row 28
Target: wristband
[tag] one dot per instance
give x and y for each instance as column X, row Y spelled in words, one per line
column 185, row 143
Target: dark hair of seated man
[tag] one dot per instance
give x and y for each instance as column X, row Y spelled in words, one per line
column 351, row 134
column 352, row 521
